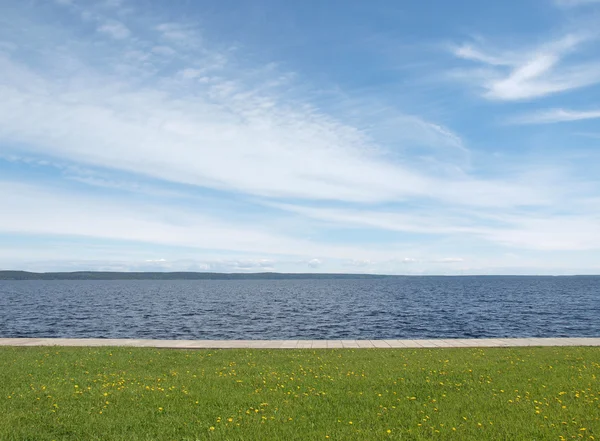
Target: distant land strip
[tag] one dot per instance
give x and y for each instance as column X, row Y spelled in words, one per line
column 182, row 275
column 109, row 275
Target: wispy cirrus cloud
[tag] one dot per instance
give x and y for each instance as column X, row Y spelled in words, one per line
column 551, row 116
column 181, row 116
column 531, row 72
column 36, row 209
column 183, row 151
column 521, row 229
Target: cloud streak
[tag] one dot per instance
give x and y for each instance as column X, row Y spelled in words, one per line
column 530, row 73
column 522, row 230
column 32, row 209
column 225, row 131
column 552, row 116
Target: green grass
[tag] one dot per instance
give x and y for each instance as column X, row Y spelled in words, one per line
column 446, row 394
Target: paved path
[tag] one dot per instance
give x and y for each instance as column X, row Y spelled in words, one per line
column 302, row 344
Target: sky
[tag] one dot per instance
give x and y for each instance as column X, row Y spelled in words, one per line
column 393, row 137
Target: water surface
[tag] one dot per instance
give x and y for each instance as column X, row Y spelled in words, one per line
column 398, row 307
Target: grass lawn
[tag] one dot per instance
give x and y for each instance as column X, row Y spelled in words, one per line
column 341, row 394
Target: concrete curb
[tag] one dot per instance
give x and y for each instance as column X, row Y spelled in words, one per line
column 302, row 344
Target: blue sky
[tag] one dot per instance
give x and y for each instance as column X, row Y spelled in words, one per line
column 413, row 137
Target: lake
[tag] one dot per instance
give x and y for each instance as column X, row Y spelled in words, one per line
column 390, row 308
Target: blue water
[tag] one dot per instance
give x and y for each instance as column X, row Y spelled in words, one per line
column 399, row 307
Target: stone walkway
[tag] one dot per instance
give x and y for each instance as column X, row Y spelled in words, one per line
column 302, row 344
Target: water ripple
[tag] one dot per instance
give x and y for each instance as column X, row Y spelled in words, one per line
column 399, row 307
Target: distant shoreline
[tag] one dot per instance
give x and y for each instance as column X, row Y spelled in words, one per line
column 109, row 275
column 181, row 275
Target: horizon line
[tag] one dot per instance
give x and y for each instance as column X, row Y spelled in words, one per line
column 275, row 273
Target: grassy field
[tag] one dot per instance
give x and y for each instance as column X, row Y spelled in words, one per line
column 345, row 394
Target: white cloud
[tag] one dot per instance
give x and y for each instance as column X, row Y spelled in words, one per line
column 450, row 260
column 468, row 52
column 237, row 131
column 202, row 117
column 362, row 263
column 557, row 232
column 528, row 73
column 33, row 209
column 159, row 265
column 189, row 73
column 115, row 29
column 554, row 116
column 522, row 230
column 314, row 263
column 222, row 134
